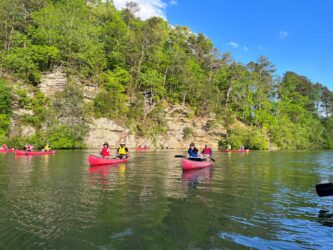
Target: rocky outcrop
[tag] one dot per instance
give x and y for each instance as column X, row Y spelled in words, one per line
column 102, row 130
column 202, row 130
column 22, row 112
column 53, row 82
column 27, row 131
column 199, row 129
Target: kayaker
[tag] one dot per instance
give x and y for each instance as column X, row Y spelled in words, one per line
column 193, row 151
column 122, row 151
column 29, row 147
column 242, row 148
column 105, row 151
column 4, row 146
column 207, row 151
column 46, row 148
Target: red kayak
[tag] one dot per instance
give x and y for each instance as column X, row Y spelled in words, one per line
column 235, row 150
column 23, row 152
column 95, row 160
column 194, row 164
column 7, row 150
column 141, row 149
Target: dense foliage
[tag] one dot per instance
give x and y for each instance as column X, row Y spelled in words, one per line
column 127, row 57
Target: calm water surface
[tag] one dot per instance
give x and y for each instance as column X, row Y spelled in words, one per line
column 262, row 200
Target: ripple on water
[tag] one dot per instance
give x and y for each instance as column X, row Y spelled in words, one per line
column 258, row 200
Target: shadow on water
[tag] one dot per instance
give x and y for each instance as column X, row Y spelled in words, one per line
column 325, row 217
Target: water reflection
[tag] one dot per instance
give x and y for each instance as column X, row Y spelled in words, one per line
column 192, row 178
column 259, row 200
column 107, row 175
column 325, row 218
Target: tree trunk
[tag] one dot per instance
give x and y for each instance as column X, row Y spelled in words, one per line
column 184, row 98
column 228, row 94
column 165, row 75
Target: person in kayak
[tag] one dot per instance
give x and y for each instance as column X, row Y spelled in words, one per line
column 207, row 151
column 46, row 148
column 193, row 151
column 29, row 147
column 105, row 151
column 122, row 151
column 4, row 146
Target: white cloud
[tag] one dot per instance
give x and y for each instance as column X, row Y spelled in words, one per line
column 233, row 44
column 283, row 35
column 173, row 2
column 148, row 8
column 246, row 48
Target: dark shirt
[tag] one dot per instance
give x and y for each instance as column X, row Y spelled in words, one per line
column 193, row 152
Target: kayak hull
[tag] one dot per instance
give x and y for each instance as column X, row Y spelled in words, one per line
column 10, row 150
column 142, row 149
column 95, row 160
column 235, row 150
column 190, row 165
column 23, row 152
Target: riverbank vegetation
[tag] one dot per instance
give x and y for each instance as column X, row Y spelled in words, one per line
column 127, row 58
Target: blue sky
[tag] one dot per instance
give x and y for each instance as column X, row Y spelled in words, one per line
column 296, row 35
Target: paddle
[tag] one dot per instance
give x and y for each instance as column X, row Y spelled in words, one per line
column 193, row 159
column 324, row 189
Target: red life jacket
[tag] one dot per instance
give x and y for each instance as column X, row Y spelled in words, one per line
column 207, row 151
column 105, row 151
column 4, row 146
column 29, row 147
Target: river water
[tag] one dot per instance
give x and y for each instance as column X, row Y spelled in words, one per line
column 260, row 200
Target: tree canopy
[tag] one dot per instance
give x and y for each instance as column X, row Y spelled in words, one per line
column 126, row 57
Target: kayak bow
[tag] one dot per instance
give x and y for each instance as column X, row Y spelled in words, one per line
column 7, row 150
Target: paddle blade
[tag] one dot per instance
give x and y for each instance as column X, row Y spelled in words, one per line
column 324, row 189
column 180, row 156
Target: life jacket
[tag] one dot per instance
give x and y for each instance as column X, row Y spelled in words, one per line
column 207, row 151
column 105, row 151
column 4, row 146
column 122, row 150
column 29, row 147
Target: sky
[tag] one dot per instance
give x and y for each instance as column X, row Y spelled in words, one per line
column 296, row 35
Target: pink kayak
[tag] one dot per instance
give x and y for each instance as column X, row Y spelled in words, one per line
column 7, row 150
column 235, row 150
column 95, row 160
column 193, row 164
column 23, row 152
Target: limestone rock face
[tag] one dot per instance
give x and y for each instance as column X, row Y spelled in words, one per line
column 22, row 112
column 28, row 131
column 53, row 82
column 177, row 119
column 105, row 130
column 89, row 91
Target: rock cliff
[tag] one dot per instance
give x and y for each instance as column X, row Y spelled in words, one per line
column 182, row 126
